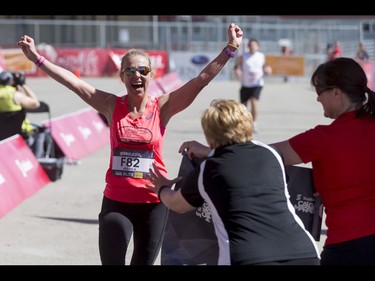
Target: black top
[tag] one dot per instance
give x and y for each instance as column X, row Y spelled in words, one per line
column 245, row 188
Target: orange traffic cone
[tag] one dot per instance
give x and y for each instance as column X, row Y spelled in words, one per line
column 77, row 73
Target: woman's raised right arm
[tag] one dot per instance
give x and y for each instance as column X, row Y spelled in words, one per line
column 92, row 96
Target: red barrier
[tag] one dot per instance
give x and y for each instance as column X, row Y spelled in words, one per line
column 154, row 89
column 21, row 175
column 169, row 82
column 79, row 133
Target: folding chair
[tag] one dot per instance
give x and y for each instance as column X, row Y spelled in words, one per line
column 45, row 148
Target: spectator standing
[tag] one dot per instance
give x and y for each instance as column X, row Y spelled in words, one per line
column 328, row 51
column 361, row 53
column 285, row 51
column 342, row 158
column 335, row 51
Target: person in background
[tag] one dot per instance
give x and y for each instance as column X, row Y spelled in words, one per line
column 138, row 123
column 16, row 96
column 244, row 183
column 249, row 69
column 328, row 50
column 335, row 51
column 285, row 51
column 342, row 158
column 361, row 53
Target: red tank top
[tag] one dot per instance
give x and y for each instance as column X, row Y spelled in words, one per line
column 136, row 143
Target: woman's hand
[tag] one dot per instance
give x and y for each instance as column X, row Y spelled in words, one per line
column 28, row 48
column 235, row 35
column 194, row 149
column 158, row 180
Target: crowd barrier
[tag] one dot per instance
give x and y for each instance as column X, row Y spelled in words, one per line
column 76, row 134
column 79, row 133
column 169, row 82
column 21, row 175
column 154, row 89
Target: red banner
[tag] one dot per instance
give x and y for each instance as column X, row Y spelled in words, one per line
column 79, row 133
column 87, row 62
column 169, row 82
column 154, row 89
column 21, row 175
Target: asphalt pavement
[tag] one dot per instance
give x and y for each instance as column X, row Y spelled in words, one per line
column 58, row 225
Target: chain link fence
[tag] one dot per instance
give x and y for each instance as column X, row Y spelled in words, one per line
column 308, row 39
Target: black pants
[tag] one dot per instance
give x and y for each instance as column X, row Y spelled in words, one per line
column 355, row 252
column 118, row 221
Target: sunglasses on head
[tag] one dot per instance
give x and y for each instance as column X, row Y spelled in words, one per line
column 143, row 70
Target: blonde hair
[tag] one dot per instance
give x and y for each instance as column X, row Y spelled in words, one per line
column 227, row 122
column 131, row 53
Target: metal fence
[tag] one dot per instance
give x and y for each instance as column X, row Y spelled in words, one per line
column 307, row 39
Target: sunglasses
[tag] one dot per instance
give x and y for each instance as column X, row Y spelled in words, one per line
column 143, row 70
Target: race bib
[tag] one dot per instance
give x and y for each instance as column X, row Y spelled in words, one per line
column 132, row 163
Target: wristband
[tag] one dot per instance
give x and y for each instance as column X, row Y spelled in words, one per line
column 229, row 53
column 40, row 61
column 160, row 190
column 229, row 44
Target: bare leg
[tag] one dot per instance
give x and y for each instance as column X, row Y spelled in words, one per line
column 254, row 108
